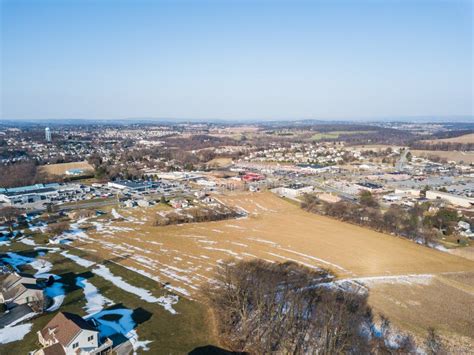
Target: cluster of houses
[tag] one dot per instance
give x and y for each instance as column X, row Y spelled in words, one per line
column 19, row 289
column 320, row 153
column 65, row 333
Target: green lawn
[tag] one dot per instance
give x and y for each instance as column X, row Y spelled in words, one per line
column 171, row 334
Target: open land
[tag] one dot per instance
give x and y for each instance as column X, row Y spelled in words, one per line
column 187, row 327
column 335, row 134
column 466, row 157
column 464, row 139
column 275, row 230
column 60, row 169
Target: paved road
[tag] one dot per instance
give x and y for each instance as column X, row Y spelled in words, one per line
column 92, row 204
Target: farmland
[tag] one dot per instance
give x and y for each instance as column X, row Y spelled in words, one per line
column 275, row 230
column 464, row 139
column 335, row 134
column 60, row 169
column 466, row 157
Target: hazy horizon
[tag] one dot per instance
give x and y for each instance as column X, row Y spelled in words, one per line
column 236, row 60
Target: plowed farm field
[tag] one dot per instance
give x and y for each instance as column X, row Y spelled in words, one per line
column 186, row 256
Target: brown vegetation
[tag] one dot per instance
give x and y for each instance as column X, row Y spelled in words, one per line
column 264, row 308
column 413, row 223
column 196, row 214
column 58, row 228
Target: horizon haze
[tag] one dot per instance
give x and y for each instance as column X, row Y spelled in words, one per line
column 252, row 60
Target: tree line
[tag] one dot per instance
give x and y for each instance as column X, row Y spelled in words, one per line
column 415, row 223
column 285, row 308
column 196, row 215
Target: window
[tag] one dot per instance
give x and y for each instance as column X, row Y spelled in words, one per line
column 90, row 338
column 75, row 345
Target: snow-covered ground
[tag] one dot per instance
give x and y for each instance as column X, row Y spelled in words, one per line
column 14, row 332
column 78, row 260
column 27, row 241
column 42, row 267
column 57, row 293
column 95, row 302
column 166, row 301
column 117, row 215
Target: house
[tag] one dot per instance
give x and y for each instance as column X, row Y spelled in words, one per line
column 17, row 289
column 179, row 203
column 68, row 333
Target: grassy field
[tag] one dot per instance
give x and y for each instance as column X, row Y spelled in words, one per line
column 220, row 162
column 445, row 302
column 60, row 169
column 466, row 157
column 466, row 138
column 170, row 334
column 335, row 134
column 275, row 230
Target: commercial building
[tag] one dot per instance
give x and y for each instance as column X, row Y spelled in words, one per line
column 38, row 194
column 135, row 186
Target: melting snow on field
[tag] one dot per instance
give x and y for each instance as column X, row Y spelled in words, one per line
column 27, row 241
column 166, row 302
column 78, row 260
column 95, row 301
column 42, row 267
column 314, row 258
column 14, row 332
column 423, row 279
column 57, row 293
column 116, row 214
column 38, row 227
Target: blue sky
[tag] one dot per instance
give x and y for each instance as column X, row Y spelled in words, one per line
column 231, row 59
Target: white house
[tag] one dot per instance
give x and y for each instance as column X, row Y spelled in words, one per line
column 68, row 333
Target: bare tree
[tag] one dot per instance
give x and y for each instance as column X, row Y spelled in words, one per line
column 58, row 228
column 263, row 308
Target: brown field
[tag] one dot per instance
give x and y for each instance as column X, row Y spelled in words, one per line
column 60, row 169
column 467, row 138
column 220, row 162
column 446, row 303
column 186, row 255
column 466, row 157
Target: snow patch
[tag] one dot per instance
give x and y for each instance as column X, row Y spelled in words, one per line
column 10, row 334
column 78, row 260
column 57, row 293
column 95, row 301
column 166, row 302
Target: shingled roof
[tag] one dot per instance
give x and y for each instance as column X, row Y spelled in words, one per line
column 64, row 327
column 55, row 349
